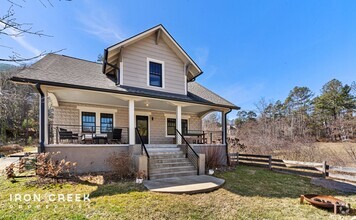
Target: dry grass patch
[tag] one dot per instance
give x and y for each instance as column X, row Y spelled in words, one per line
column 249, row 193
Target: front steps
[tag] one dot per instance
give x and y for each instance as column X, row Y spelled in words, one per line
column 168, row 161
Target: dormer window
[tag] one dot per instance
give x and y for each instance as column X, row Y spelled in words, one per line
column 155, row 73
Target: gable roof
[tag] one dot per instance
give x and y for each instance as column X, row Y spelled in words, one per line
column 70, row 72
column 111, row 53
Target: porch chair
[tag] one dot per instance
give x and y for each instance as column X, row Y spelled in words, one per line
column 115, row 136
column 64, row 134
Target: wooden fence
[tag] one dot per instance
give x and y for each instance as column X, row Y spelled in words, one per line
column 295, row 167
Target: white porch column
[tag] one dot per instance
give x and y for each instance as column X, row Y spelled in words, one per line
column 132, row 122
column 224, row 127
column 179, row 123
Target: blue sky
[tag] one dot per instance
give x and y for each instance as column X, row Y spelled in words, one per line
column 247, row 49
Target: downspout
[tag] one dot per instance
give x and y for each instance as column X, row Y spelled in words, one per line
column 226, row 145
column 42, row 118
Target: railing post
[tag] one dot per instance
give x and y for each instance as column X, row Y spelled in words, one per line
column 270, row 162
column 325, row 174
column 57, row 135
column 237, row 158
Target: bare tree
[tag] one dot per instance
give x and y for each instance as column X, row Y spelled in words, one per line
column 11, row 27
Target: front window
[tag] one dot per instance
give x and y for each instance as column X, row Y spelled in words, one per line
column 88, row 122
column 106, row 123
column 155, row 71
column 171, row 126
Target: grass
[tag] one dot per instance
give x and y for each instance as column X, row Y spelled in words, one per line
column 30, row 148
column 249, row 193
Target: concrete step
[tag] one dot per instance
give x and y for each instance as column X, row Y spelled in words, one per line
column 172, row 169
column 163, row 149
column 161, row 146
column 169, row 160
column 166, row 155
column 154, row 164
column 175, row 174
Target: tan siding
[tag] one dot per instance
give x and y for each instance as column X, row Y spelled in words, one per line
column 135, row 65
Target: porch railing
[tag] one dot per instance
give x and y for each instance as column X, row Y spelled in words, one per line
column 78, row 134
column 212, row 137
column 189, row 152
column 144, row 151
column 203, row 136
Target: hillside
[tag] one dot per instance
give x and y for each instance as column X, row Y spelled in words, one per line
column 5, row 66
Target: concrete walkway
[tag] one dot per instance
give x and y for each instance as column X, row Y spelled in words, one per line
column 341, row 186
column 6, row 161
column 184, row 184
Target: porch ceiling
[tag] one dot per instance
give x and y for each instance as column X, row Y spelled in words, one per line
column 113, row 100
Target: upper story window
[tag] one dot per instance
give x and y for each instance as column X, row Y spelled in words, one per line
column 155, row 73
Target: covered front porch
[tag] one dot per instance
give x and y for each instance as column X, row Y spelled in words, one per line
column 83, row 117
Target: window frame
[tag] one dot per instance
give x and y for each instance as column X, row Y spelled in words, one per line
column 148, row 73
column 101, row 123
column 82, row 125
column 97, row 111
column 172, row 118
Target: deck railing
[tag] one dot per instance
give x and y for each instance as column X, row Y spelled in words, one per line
column 189, row 152
column 78, row 134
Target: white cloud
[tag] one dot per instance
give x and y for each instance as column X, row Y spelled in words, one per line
column 100, row 23
column 243, row 96
column 20, row 39
column 202, row 55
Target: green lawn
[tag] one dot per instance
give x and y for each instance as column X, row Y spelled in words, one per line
column 249, row 193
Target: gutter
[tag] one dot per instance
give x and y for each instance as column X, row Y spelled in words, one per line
column 226, row 145
column 42, row 118
column 193, row 79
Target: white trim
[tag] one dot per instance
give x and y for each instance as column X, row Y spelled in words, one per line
column 97, row 109
column 148, row 32
column 132, row 122
column 167, row 115
column 179, row 124
column 97, row 112
column 148, row 72
column 144, row 113
column 122, row 73
column 185, row 85
column 137, row 96
column 54, row 99
column 148, row 114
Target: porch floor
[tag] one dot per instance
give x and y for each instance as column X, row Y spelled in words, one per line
column 185, row 184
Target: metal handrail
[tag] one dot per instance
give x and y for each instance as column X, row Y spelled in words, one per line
column 143, row 146
column 190, row 147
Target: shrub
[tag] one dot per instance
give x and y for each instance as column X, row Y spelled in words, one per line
column 47, row 167
column 121, row 164
column 10, row 171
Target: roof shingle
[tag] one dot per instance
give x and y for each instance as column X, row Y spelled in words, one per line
column 67, row 71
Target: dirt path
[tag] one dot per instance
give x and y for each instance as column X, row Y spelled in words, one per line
column 335, row 185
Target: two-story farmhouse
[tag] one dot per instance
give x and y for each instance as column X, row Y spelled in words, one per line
column 143, row 96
